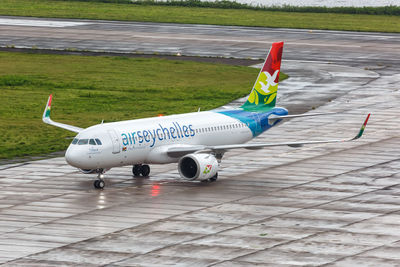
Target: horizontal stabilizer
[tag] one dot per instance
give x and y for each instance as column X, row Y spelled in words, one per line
column 273, row 118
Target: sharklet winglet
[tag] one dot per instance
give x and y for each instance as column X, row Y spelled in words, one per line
column 46, row 119
column 47, row 110
column 360, row 133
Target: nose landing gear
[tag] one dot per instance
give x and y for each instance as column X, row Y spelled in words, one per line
column 140, row 169
column 99, row 182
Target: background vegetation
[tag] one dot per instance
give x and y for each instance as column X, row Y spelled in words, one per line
column 88, row 89
column 384, row 10
column 384, row 19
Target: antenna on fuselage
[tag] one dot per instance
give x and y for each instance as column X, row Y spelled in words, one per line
column 102, row 121
column 198, row 110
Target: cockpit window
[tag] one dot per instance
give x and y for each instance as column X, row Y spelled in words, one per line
column 98, row 141
column 92, row 142
column 75, row 141
column 83, row 141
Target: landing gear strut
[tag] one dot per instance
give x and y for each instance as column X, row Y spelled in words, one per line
column 140, row 169
column 99, row 182
column 212, row 179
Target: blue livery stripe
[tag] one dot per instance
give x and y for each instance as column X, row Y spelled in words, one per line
column 256, row 121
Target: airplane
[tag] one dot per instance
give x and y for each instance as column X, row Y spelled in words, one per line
column 196, row 141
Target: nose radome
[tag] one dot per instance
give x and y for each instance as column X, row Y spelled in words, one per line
column 72, row 156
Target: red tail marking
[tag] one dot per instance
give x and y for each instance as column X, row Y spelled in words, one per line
column 273, row 61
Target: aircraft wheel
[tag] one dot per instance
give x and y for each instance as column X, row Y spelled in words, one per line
column 99, row 184
column 214, row 178
column 145, row 170
column 136, row 170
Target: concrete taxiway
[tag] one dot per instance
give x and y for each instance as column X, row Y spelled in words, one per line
column 325, row 205
column 196, row 40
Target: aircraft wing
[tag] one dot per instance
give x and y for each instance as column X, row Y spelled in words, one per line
column 180, row 151
column 175, row 151
column 46, row 119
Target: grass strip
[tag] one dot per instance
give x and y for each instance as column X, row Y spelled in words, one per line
column 383, row 10
column 226, row 4
column 88, row 89
column 200, row 15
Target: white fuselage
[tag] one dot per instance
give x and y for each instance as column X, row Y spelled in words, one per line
column 147, row 140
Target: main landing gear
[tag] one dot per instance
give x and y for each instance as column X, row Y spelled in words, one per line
column 140, row 169
column 212, row 179
column 99, row 182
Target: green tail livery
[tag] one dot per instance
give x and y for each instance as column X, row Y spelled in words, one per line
column 263, row 95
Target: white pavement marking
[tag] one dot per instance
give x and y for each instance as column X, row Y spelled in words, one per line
column 258, row 29
column 40, row 23
column 224, row 39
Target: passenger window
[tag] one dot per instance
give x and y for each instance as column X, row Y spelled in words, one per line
column 75, row 141
column 92, row 142
column 98, row 141
column 83, row 141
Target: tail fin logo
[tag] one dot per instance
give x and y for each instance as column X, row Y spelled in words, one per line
column 265, row 88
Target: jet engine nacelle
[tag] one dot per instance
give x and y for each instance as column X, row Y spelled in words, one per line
column 198, row 166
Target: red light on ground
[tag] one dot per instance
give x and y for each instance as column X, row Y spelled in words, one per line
column 155, row 190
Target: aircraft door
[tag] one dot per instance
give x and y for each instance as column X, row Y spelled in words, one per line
column 115, row 141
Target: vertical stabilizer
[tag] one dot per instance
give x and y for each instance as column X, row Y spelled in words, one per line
column 263, row 94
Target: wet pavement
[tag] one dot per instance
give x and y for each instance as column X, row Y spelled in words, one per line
column 197, row 40
column 321, row 205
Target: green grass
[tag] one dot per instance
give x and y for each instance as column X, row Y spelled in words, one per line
column 182, row 14
column 88, row 89
column 380, row 10
column 226, row 4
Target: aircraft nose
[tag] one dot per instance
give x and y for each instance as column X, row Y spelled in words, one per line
column 72, row 156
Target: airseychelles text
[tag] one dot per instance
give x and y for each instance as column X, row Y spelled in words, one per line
column 176, row 131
